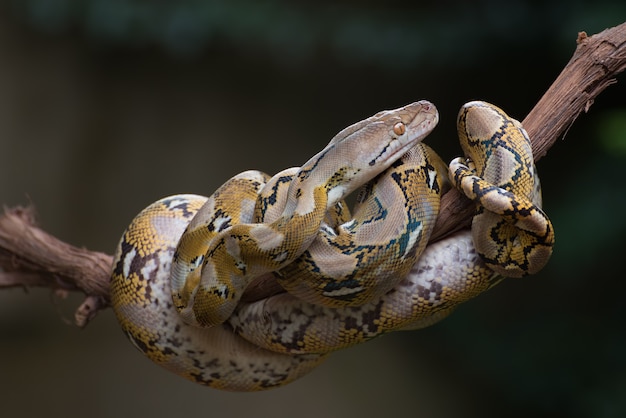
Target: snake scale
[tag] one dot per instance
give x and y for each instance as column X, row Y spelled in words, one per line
column 184, row 262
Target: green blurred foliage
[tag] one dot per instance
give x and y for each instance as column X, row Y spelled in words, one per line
column 611, row 129
column 158, row 77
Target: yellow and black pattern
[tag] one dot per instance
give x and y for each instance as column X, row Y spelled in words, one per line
column 350, row 278
column 448, row 273
column 511, row 232
column 211, row 271
column 141, row 298
column 366, row 255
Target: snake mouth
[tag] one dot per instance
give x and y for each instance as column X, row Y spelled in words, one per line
column 425, row 118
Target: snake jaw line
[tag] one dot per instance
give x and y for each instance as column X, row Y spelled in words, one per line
column 414, row 127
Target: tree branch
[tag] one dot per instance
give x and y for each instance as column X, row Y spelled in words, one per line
column 29, row 257
column 592, row 68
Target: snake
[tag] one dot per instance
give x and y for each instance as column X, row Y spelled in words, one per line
column 355, row 258
column 165, row 237
column 349, row 278
column 499, row 175
column 212, row 267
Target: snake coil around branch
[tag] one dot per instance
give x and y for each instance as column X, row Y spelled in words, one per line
column 30, row 257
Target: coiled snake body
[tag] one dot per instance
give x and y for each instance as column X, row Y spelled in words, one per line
column 184, row 262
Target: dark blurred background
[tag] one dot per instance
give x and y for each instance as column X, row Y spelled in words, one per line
column 106, row 106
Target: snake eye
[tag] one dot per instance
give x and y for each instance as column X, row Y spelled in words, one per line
column 399, row 128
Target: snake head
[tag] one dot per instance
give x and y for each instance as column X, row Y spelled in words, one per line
column 406, row 125
column 403, row 127
column 363, row 150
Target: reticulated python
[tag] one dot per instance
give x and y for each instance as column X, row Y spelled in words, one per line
column 186, row 260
